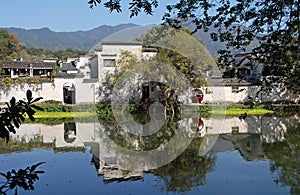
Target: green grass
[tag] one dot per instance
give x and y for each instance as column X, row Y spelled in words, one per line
column 233, row 110
column 39, row 115
column 239, row 111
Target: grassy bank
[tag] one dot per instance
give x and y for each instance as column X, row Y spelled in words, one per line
column 54, row 118
column 55, row 110
column 63, row 114
column 239, row 111
column 59, row 114
column 229, row 110
column 236, row 110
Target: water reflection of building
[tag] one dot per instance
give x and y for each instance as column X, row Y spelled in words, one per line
column 249, row 145
column 246, row 136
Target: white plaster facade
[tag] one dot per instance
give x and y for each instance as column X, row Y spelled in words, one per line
column 106, row 59
column 85, row 91
column 92, row 70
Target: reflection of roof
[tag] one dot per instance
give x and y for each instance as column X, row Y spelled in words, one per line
column 26, row 64
column 69, row 149
column 249, row 145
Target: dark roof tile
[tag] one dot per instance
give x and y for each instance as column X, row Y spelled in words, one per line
column 26, row 64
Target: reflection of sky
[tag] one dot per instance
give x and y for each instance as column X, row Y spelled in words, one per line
column 234, row 175
column 72, row 173
column 240, row 167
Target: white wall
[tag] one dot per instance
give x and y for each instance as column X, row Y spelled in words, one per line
column 85, row 92
column 113, row 51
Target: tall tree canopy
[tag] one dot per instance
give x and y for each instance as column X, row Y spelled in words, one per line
column 9, row 45
column 273, row 25
column 10, row 49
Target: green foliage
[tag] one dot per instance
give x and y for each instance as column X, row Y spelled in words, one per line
column 180, row 49
column 15, row 145
column 57, row 106
column 135, row 6
column 132, row 108
column 272, row 25
column 13, row 115
column 125, row 63
column 39, row 53
column 8, row 45
column 284, row 157
column 10, row 49
column 186, row 171
column 2, row 71
column 23, row 178
column 58, row 121
column 104, row 111
column 7, row 82
column 146, row 143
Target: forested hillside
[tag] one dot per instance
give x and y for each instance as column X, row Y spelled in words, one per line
column 10, row 49
column 80, row 40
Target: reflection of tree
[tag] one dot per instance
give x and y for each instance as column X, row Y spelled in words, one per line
column 23, row 178
column 285, row 158
column 187, row 171
column 143, row 143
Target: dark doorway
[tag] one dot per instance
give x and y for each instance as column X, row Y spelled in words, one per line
column 145, row 93
column 69, row 132
column 69, row 93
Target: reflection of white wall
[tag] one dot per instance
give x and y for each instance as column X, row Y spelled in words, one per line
column 225, row 126
column 271, row 128
column 85, row 132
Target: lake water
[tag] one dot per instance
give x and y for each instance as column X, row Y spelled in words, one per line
column 254, row 155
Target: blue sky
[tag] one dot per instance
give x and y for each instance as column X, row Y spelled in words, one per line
column 66, row 15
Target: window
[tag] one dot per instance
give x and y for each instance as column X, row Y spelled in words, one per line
column 234, row 89
column 235, row 129
column 109, row 62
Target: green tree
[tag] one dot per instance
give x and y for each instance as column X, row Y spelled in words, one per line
column 285, row 156
column 9, row 45
column 182, row 50
column 186, row 171
column 12, row 116
column 274, row 26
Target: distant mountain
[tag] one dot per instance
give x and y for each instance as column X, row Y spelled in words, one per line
column 81, row 40
column 86, row 40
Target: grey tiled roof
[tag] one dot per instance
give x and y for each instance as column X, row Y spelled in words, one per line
column 68, row 66
column 121, row 43
column 26, row 64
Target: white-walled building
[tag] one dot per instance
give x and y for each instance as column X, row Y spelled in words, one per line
column 83, row 79
column 79, row 79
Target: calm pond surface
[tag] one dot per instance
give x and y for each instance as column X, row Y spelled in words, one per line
column 254, row 155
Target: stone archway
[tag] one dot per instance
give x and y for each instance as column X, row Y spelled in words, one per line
column 69, row 93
